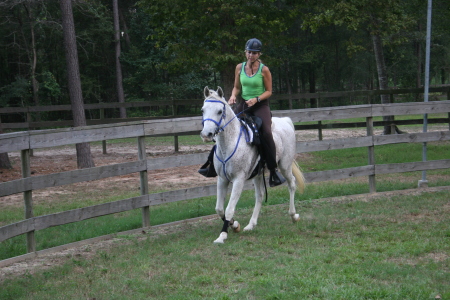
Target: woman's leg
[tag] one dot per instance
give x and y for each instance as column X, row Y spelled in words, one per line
column 268, row 145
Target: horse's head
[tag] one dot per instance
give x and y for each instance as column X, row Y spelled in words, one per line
column 214, row 113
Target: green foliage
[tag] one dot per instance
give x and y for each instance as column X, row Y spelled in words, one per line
column 49, row 87
column 15, row 92
column 387, row 18
column 173, row 48
column 213, row 32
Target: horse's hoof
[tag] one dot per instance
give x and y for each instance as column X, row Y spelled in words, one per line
column 248, row 227
column 236, row 227
column 221, row 239
column 295, row 218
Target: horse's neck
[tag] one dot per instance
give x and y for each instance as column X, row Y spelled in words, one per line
column 226, row 140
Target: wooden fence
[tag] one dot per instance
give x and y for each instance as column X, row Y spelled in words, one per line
column 26, row 141
column 280, row 100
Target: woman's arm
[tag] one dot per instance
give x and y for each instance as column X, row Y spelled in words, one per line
column 237, row 85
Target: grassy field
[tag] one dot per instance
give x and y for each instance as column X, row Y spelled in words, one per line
column 385, row 248
column 393, row 247
column 317, row 161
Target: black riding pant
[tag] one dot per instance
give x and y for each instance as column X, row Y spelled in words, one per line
column 262, row 110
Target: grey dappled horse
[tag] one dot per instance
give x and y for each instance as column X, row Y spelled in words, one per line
column 235, row 159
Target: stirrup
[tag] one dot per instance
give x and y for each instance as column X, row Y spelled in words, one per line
column 276, row 178
column 208, row 170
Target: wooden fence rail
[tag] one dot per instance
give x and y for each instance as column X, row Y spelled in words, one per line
column 26, row 141
column 174, row 103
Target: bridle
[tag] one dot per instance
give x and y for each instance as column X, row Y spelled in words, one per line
column 222, row 118
column 220, row 128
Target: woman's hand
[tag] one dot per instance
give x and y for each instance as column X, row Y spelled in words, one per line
column 252, row 102
column 232, row 100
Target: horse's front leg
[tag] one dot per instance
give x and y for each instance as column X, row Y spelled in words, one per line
column 236, row 191
column 259, row 193
column 222, row 187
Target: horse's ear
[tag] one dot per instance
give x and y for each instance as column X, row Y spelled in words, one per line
column 206, row 92
column 220, row 92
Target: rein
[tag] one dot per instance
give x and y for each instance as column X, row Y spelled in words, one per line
column 220, row 129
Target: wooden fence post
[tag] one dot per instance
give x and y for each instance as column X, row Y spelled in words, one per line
column 448, row 120
column 371, row 155
column 28, row 198
column 29, row 120
column 143, row 176
column 102, row 116
column 175, row 141
column 448, row 98
column 319, row 125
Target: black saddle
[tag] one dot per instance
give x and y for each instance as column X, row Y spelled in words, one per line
column 255, row 124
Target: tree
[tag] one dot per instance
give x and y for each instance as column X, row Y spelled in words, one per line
column 5, row 163
column 383, row 19
column 120, row 94
column 84, row 157
column 199, row 33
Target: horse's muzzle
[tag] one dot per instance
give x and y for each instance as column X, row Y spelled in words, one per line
column 207, row 136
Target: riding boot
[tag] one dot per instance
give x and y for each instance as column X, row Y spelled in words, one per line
column 208, row 169
column 276, row 178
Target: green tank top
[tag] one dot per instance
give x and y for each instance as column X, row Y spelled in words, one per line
column 252, row 86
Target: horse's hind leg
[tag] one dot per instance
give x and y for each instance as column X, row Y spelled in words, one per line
column 287, row 172
column 259, row 192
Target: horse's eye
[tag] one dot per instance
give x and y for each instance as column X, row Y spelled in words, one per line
column 219, row 112
column 202, row 111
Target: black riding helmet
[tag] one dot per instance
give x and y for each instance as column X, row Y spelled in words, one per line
column 253, row 45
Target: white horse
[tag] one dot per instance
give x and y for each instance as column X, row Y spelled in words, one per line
column 234, row 159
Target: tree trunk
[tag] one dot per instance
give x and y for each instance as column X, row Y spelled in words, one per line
column 227, row 76
column 418, row 48
column 84, row 157
column 382, row 77
column 125, row 28
column 4, row 161
column 120, row 93
column 288, row 83
column 312, row 85
column 4, row 158
column 32, row 57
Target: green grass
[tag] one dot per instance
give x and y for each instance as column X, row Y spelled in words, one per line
column 158, row 141
column 385, row 248
column 316, row 161
column 376, row 119
column 385, row 154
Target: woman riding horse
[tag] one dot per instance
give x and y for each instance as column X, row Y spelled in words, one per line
column 254, row 81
